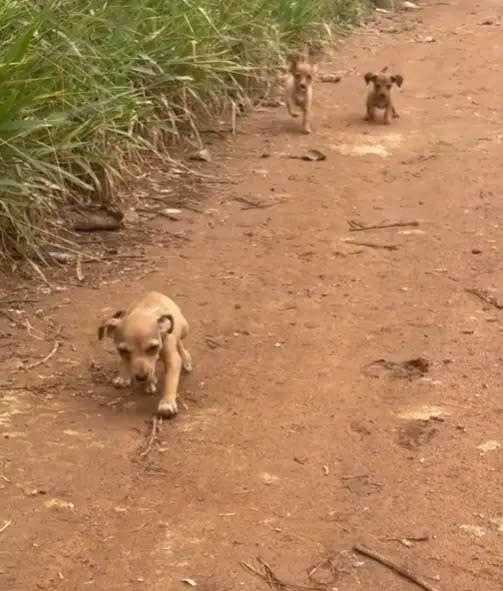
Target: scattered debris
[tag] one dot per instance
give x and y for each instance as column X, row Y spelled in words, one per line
column 153, row 436
column 491, row 445
column 202, row 155
column 406, row 5
column 397, row 568
column 409, row 369
column 423, row 413
column 329, row 78
column 490, row 21
column 476, row 530
column 355, row 226
column 310, row 156
column 267, row 575
column 498, row 522
column 408, row 540
column 327, row 572
column 52, row 352
column 59, row 504
column 95, row 219
column 268, row 478
column 249, row 204
column 485, row 296
column 372, row 245
column 78, row 268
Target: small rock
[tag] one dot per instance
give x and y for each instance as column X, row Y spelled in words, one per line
column 202, row 155
column 409, row 5
column 498, row 522
column 490, row 445
column 268, row 478
column 59, row 504
column 475, row 530
column 189, row 582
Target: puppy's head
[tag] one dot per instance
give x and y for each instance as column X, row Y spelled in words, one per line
column 139, row 340
column 383, row 84
column 303, row 72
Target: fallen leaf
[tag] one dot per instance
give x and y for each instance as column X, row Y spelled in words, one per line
column 189, row 582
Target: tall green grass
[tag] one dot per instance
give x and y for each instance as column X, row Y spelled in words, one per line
column 88, row 85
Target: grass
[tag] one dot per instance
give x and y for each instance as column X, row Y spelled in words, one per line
column 87, row 86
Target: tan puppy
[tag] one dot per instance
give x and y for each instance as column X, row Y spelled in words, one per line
column 152, row 328
column 299, row 89
column 379, row 96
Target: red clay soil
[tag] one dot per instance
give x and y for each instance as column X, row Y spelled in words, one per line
column 303, row 430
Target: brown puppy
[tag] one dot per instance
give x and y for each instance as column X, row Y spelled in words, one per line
column 152, row 328
column 379, row 96
column 299, row 89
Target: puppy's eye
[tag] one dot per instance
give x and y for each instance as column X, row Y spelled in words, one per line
column 124, row 352
column 152, row 350
column 388, row 86
column 309, row 77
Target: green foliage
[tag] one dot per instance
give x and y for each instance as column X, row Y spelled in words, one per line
column 86, row 85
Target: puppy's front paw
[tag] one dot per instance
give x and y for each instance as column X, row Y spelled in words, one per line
column 167, row 409
column 121, row 382
column 150, row 388
column 307, row 129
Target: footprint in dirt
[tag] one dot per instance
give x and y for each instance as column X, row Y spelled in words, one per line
column 408, row 370
column 415, row 434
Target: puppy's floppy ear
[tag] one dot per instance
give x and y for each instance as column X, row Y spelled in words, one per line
column 369, row 77
column 292, row 63
column 107, row 327
column 166, row 323
column 397, row 79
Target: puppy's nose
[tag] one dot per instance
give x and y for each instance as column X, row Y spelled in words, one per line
column 303, row 86
column 141, row 376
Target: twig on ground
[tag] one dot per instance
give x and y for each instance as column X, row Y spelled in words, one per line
column 5, row 526
column 372, row 245
column 78, row 268
column 267, row 575
column 154, row 433
column 252, row 204
column 355, row 226
column 485, row 297
column 397, row 568
column 53, row 351
column 407, row 540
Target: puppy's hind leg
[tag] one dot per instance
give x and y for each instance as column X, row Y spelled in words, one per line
column 186, row 357
column 306, row 120
column 290, row 105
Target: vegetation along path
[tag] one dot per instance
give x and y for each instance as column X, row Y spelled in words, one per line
column 347, row 382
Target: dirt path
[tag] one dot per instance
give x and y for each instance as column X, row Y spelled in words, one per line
column 286, row 446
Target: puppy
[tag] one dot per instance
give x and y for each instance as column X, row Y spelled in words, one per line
column 299, row 89
column 379, row 96
column 152, row 328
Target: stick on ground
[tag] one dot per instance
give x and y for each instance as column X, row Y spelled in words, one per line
column 372, row 245
column 154, row 432
column 397, row 568
column 52, row 352
column 486, row 297
column 267, row 575
column 355, row 226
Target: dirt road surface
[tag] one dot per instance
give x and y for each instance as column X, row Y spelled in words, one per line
column 294, row 441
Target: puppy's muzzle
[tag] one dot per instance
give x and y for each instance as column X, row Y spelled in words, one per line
column 303, row 87
column 141, row 376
